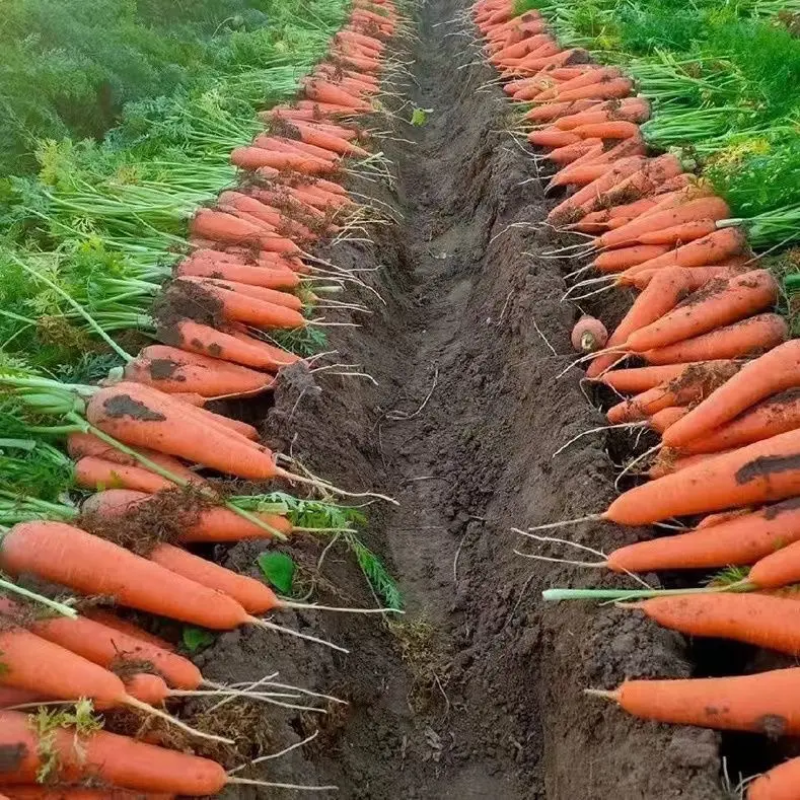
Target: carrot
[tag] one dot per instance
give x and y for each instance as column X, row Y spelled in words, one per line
column 98, row 474
column 211, row 524
column 758, row 473
column 624, row 258
column 711, row 249
column 254, row 596
column 255, row 157
column 117, row 760
column 9, row 696
column 221, row 227
column 133, row 413
column 326, row 92
column 694, row 382
column 698, row 276
column 258, row 292
column 703, row 208
column 80, row 445
column 663, row 294
column 778, row 414
column 549, row 112
column 661, row 420
column 746, row 338
column 116, row 623
column 778, row 783
column 77, row 793
column 667, row 464
column 313, row 135
column 719, row 303
column 240, row 308
column 623, row 168
column 588, row 334
column 238, row 349
column 616, row 88
column 757, row 619
column 170, row 369
column 589, row 78
column 73, row 558
column 773, row 372
column 553, row 138
column 570, row 153
column 712, row 520
column 612, row 129
column 634, row 109
column 106, row 647
column 762, row 703
column 640, row 379
column 740, row 540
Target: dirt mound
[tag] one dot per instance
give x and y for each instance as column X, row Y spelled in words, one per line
column 477, row 691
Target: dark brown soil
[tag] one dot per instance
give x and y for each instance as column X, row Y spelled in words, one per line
column 477, row 692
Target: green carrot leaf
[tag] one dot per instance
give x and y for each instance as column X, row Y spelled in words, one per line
column 278, row 569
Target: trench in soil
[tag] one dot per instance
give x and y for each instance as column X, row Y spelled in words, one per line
column 477, row 691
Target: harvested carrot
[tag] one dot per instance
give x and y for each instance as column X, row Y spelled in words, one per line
column 588, row 334
column 746, row 338
column 712, row 520
column 73, row 558
column 73, row 793
column 237, row 348
column 759, row 473
column 739, row 540
column 110, row 620
column 616, row 88
column 779, row 783
column 118, row 760
column 757, row 619
column 206, row 524
column 612, row 129
column 640, row 379
column 663, row 294
column 588, row 78
column 773, row 372
column 763, row 703
column 624, row 259
column 135, row 414
column 170, row 370
column 98, row 474
column 553, row 138
column 719, row 303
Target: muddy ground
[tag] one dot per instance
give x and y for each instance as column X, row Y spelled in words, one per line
column 477, row 691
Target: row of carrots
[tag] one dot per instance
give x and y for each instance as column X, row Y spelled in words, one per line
column 719, row 381
column 249, row 272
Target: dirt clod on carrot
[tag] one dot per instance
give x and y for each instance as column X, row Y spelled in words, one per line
column 186, row 300
column 11, row 756
column 765, row 466
column 122, row 405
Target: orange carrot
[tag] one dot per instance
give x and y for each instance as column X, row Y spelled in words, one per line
column 211, row 524
column 240, row 308
column 624, row 259
column 98, row 474
column 781, row 568
column 106, row 647
column 116, row 623
column 588, row 78
column 570, row 153
column 135, row 414
column 697, row 276
column 104, row 756
column 72, row 793
column 744, row 339
column 719, row 303
column 777, row 414
column 612, row 129
column 73, row 558
column 712, row 520
column 663, row 294
column 256, row 157
column 236, row 348
column 634, row 109
column 740, row 540
column 170, row 370
column 616, row 88
column 758, row 473
column 254, row 596
column 661, row 420
column 552, row 137
column 762, row 703
column 773, row 372
column 779, row 783
column 640, row 379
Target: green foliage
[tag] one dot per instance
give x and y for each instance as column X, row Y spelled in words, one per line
column 278, row 569
column 378, row 577
column 195, row 639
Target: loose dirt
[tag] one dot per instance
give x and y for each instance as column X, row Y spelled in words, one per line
column 477, row 692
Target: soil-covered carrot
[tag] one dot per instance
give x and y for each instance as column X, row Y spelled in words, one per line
column 663, row 294
column 759, row 473
column 117, row 623
column 237, row 348
column 625, row 258
column 170, row 369
column 78, row 793
column 767, row 702
column 739, row 540
column 135, row 415
column 104, row 646
column 117, row 760
column 203, row 524
column 73, row 558
column 640, row 379
column 717, row 304
column 757, row 619
column 743, row 339
column 773, row 372
column 98, row 474
column 777, row 414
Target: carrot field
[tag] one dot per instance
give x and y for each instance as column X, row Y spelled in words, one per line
column 400, row 399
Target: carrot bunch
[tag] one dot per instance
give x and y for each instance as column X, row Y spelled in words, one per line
column 716, row 377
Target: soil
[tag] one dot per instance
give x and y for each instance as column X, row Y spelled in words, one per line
column 477, row 692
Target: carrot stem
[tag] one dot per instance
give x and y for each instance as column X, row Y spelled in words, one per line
column 62, row 609
column 629, row 594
